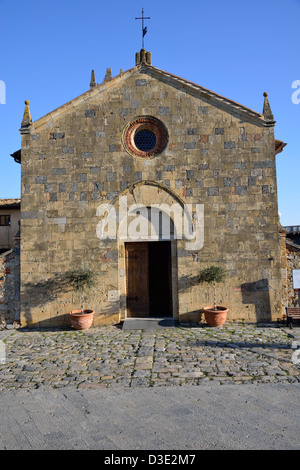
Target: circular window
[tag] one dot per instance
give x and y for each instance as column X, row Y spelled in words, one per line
column 145, row 140
column 145, row 137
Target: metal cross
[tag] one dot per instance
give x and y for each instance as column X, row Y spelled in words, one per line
column 144, row 29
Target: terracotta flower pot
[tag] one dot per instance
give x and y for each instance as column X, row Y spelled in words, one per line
column 81, row 321
column 215, row 317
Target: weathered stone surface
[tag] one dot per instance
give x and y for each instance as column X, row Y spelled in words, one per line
column 163, row 110
column 189, row 145
column 68, row 150
column 219, row 130
column 213, row 191
column 57, row 135
column 90, row 113
column 209, row 159
column 10, row 287
column 141, row 82
column 41, row 179
column 58, row 171
column 203, row 109
column 186, row 355
column 229, row 145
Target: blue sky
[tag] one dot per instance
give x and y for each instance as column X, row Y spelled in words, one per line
column 237, row 49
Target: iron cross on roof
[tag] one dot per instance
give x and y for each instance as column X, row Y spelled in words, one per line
column 144, row 29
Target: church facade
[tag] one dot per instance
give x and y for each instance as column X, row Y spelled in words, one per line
column 146, row 179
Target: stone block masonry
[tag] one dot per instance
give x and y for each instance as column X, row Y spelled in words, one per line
column 214, row 153
column 10, row 287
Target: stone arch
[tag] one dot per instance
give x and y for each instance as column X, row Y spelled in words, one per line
column 150, row 193
column 147, row 194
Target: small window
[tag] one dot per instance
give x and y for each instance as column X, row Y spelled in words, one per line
column 4, row 220
column 145, row 137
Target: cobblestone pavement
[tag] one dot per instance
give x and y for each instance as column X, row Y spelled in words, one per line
column 185, row 355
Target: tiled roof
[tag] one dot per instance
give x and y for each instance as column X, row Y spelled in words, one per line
column 16, row 156
column 4, row 203
column 279, row 146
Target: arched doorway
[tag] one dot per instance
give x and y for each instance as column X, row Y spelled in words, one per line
column 148, row 262
column 148, row 279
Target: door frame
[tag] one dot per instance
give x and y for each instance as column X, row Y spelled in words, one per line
column 141, row 304
column 122, row 277
column 145, row 301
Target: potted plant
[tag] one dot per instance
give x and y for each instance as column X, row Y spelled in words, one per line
column 214, row 315
column 81, row 279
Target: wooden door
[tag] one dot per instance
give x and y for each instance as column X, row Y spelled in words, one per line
column 137, row 279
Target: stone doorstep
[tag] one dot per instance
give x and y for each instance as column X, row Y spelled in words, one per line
column 144, row 362
column 148, row 323
column 188, row 374
column 142, row 359
column 143, row 367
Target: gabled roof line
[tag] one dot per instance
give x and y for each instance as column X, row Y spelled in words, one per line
column 204, row 93
column 95, row 90
column 207, row 94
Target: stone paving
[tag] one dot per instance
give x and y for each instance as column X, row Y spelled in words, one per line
column 108, row 356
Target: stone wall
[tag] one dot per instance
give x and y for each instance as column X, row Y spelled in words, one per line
column 217, row 154
column 10, row 287
column 7, row 233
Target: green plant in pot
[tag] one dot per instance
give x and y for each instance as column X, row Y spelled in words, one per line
column 215, row 315
column 81, row 279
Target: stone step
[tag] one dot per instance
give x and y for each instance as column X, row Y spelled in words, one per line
column 148, row 323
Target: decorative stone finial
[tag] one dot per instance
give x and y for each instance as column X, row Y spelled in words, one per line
column 149, row 58
column 93, row 80
column 267, row 113
column 143, row 57
column 26, row 121
column 108, row 75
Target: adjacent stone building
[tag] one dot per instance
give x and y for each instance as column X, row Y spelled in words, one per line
column 109, row 178
column 9, row 222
